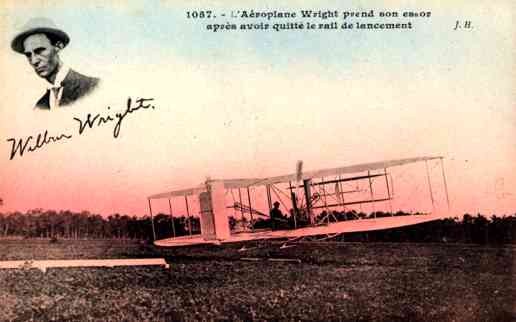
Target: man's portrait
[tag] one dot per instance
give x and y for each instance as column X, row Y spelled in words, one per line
column 41, row 41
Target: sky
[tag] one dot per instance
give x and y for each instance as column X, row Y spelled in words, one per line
column 233, row 104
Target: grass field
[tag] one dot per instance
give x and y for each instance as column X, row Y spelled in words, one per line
column 333, row 281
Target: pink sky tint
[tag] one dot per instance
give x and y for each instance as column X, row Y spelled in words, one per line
column 255, row 117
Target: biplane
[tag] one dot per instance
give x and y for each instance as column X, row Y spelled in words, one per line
column 302, row 195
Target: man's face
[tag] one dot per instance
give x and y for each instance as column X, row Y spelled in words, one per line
column 41, row 54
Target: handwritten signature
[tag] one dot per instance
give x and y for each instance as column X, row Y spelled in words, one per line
column 34, row 143
column 42, row 139
column 99, row 120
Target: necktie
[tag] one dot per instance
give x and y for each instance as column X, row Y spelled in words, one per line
column 55, row 96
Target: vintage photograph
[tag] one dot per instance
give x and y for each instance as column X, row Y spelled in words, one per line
column 257, row 161
column 40, row 42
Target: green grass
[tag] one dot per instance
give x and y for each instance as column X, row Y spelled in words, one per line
column 334, row 281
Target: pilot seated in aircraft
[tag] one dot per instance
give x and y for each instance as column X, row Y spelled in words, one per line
column 276, row 215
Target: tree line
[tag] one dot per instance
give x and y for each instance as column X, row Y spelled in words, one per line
column 52, row 224
column 67, row 224
column 477, row 229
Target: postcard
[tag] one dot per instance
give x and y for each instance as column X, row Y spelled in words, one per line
column 111, row 107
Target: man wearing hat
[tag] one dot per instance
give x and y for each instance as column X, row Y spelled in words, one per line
column 41, row 41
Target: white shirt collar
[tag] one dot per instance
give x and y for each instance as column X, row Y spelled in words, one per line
column 56, row 89
column 61, row 74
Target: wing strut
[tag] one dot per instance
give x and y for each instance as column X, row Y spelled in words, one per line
column 240, row 199
column 372, row 193
column 430, row 186
column 152, row 220
column 188, row 214
column 388, row 190
column 250, row 208
column 445, row 185
column 172, row 217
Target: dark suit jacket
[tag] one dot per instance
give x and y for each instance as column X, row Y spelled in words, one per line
column 75, row 86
